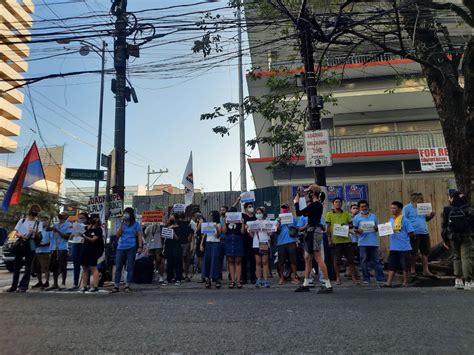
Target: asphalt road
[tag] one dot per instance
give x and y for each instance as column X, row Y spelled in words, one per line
column 192, row 319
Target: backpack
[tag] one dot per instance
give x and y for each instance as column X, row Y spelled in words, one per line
column 458, row 221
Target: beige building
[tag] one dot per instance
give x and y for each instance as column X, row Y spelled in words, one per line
column 15, row 20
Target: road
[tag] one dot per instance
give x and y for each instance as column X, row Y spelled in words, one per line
column 191, row 319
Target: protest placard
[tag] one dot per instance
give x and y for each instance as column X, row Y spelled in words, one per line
column 179, row 208
column 270, row 216
column 254, row 226
column 154, row 216
column 248, row 196
column 341, row 230
column 208, row 228
column 424, row 209
column 233, row 217
column 167, row 233
column 286, row 218
column 367, row 226
column 268, row 226
column 385, row 229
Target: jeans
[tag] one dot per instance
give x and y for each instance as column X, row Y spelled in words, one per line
column 76, row 250
column 463, row 255
column 221, row 258
column 25, row 280
column 125, row 256
column 174, row 261
column 370, row 259
column 211, row 260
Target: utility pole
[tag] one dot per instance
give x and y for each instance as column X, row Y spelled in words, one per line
column 230, row 180
column 314, row 100
column 119, row 9
column 148, row 185
column 243, row 157
column 101, row 112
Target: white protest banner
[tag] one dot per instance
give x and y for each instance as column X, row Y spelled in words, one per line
column 385, row 229
column 341, row 230
column 78, row 230
column 248, row 196
column 433, row 159
column 367, row 226
column 208, row 228
column 115, row 206
column 254, row 226
column 167, row 233
column 286, row 218
column 317, row 148
column 424, row 209
column 233, row 217
column 179, row 208
column 268, row 226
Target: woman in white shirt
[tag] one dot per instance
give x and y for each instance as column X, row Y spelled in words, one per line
column 212, row 249
column 261, row 246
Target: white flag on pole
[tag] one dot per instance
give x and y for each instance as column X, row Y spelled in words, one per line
column 188, row 182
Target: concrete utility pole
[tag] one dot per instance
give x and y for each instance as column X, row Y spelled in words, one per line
column 148, row 185
column 315, row 102
column 119, row 9
column 243, row 156
column 101, row 113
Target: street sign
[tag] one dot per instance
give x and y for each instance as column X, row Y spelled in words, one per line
column 105, row 160
column 317, row 148
column 84, row 174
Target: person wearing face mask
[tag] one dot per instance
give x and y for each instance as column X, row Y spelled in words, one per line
column 93, row 249
column 248, row 261
column 59, row 250
column 174, row 255
column 365, row 226
column 234, row 249
column 286, row 245
column 261, row 248
column 29, row 230
column 77, row 247
column 130, row 242
column 42, row 253
column 223, row 210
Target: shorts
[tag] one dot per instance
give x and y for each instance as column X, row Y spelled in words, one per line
column 58, row 260
column 398, row 260
column 41, row 262
column 422, row 243
column 343, row 249
column 155, row 252
column 313, row 239
column 186, row 250
column 287, row 252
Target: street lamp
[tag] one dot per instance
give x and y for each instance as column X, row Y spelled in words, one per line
column 86, row 48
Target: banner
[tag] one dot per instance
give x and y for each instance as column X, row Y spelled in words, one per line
column 433, row 159
column 357, row 192
column 335, row 191
column 155, row 216
column 317, row 148
column 247, row 196
column 188, row 182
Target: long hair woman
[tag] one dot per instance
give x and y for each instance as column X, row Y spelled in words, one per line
column 212, row 251
column 234, row 249
column 93, row 249
column 261, row 247
column 77, row 249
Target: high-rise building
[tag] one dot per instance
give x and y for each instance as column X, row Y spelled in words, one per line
column 15, row 20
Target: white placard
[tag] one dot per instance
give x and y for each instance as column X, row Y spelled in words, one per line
column 341, row 231
column 167, row 233
column 268, row 226
column 254, row 226
column 286, row 218
column 317, row 148
column 208, row 228
column 385, row 229
column 367, row 226
column 233, row 217
column 248, row 196
column 270, row 216
column 302, row 203
column 433, row 159
column 179, row 208
column 424, row 209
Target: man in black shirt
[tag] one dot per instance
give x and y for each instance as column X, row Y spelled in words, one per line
column 248, row 261
column 313, row 238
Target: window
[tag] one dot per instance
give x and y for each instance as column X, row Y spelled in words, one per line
column 364, row 129
column 415, row 126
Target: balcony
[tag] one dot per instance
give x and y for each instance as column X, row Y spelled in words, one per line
column 400, row 141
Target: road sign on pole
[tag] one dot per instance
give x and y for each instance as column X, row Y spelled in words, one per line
column 84, row 174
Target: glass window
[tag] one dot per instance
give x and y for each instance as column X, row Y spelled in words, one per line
column 364, row 129
column 415, row 126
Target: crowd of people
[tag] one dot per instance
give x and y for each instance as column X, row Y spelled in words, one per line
column 208, row 245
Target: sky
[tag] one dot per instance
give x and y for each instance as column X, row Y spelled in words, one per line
column 161, row 130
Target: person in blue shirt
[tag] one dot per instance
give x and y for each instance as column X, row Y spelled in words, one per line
column 400, row 247
column 59, row 249
column 286, row 245
column 365, row 226
column 130, row 242
column 421, row 241
column 42, row 254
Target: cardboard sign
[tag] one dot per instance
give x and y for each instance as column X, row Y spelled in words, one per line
column 233, row 217
column 286, row 218
column 115, row 206
column 208, row 228
column 155, row 216
column 167, row 233
column 385, row 229
column 254, row 226
column 367, row 226
column 317, row 148
column 433, row 159
column 341, row 231
column 424, row 209
column 268, row 226
column 248, row 196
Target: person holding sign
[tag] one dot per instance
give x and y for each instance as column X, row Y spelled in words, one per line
column 248, row 261
column 338, row 224
column 365, row 226
column 77, row 246
column 130, row 242
column 261, row 247
column 421, row 241
column 93, row 250
column 400, row 247
column 286, row 245
column 234, row 248
column 313, row 238
column 154, row 246
column 211, row 232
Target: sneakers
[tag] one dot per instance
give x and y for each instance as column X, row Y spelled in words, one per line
column 177, row 283
column 37, row 285
column 325, row 289
column 160, row 280
column 258, row 283
column 93, row 290
column 266, row 284
column 365, row 283
column 302, row 289
column 459, row 284
column 468, row 286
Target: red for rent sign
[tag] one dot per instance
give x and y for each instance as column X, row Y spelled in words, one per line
column 433, row 159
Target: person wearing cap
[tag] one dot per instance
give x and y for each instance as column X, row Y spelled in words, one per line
column 341, row 245
column 59, row 250
column 313, row 238
column 286, row 245
column 249, row 265
column 421, row 241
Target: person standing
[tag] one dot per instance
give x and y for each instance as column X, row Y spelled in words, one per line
column 421, row 241
column 234, row 249
column 93, row 250
column 212, row 251
column 313, row 238
column 130, row 242
column 400, row 247
column 173, row 255
column 223, row 211
column 77, row 247
column 42, row 253
column 286, row 245
column 365, row 226
column 457, row 233
column 154, row 245
column 341, row 245
column 186, row 235
column 261, row 248
column 248, row 260
column 59, row 250
column 27, row 231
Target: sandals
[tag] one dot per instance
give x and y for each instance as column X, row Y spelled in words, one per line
column 115, row 290
column 232, row 284
column 239, row 285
